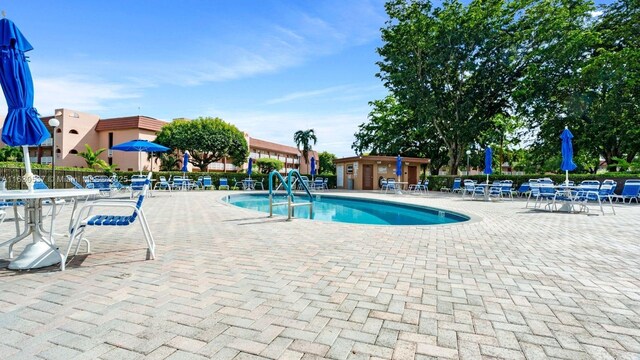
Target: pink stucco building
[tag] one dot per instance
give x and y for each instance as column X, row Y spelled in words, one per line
column 78, row 128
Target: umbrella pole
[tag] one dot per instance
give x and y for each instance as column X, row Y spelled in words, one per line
column 28, row 176
column 567, row 177
column 139, row 167
column 487, row 178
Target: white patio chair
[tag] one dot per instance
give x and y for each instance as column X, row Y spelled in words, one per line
column 86, row 217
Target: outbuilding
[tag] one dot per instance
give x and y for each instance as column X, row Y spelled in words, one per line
column 367, row 172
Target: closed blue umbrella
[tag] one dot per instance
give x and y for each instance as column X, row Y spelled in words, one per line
column 313, row 166
column 398, row 166
column 567, row 153
column 249, row 167
column 140, row 146
column 185, row 161
column 488, row 158
column 22, row 126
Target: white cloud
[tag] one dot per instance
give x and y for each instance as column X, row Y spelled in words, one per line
column 331, row 94
column 334, row 131
column 77, row 93
column 305, row 94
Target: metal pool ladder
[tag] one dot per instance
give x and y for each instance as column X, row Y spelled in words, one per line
column 289, row 185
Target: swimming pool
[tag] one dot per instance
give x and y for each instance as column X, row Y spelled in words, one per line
column 352, row 210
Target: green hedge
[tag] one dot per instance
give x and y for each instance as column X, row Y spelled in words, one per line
column 13, row 172
column 438, row 182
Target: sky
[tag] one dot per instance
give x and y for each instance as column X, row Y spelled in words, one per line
column 268, row 67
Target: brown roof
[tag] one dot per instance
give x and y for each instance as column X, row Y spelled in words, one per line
column 384, row 158
column 268, row 145
column 130, row 122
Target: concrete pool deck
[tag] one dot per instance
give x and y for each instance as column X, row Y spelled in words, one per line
column 231, row 283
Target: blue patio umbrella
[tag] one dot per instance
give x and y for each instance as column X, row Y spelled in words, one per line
column 488, row 158
column 22, row 126
column 249, row 167
column 313, row 167
column 567, row 153
column 185, row 162
column 398, row 166
column 140, row 146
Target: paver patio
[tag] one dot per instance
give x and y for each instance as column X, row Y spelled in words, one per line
column 231, row 283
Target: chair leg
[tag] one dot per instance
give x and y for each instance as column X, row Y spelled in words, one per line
column 151, row 245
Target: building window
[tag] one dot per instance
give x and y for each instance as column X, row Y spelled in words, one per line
column 73, row 131
column 74, row 151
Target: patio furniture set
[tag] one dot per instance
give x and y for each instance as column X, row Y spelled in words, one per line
column 43, row 250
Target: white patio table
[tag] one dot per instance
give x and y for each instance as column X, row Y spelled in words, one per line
column 42, row 251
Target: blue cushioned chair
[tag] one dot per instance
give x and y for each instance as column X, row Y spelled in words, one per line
column 222, row 183
column 207, row 183
column 87, row 217
column 74, row 182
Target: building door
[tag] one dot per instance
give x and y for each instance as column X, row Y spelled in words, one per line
column 413, row 175
column 367, row 177
column 340, row 176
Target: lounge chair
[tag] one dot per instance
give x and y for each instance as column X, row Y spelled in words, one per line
column 163, row 184
column 103, row 184
column 603, row 193
column 506, row 188
column 86, row 218
column 469, row 188
column 222, row 183
column 456, row 185
column 391, row 185
column 631, row 191
column 523, row 189
column 116, row 184
column 74, row 182
column 207, row 183
column 138, row 183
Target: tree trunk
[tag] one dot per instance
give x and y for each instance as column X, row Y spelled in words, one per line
column 454, row 159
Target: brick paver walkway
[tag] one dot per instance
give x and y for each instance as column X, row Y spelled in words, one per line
column 231, row 283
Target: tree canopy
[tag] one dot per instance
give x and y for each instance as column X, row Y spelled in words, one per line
column 326, row 165
column 266, row 165
column 207, row 139
column 507, row 73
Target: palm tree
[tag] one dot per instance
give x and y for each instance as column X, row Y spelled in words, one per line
column 91, row 157
column 304, row 137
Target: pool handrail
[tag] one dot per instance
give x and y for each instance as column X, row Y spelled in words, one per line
column 290, row 196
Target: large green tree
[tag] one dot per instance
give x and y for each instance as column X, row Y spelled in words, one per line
column 326, row 160
column 393, row 129
column 303, row 139
column 266, row 165
column 450, row 66
column 207, row 139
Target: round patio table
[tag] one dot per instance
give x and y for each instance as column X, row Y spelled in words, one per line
column 42, row 251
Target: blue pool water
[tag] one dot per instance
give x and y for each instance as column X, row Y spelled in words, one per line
column 352, row 210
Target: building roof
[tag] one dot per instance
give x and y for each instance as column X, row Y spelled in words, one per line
column 130, row 122
column 383, row 158
column 271, row 146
